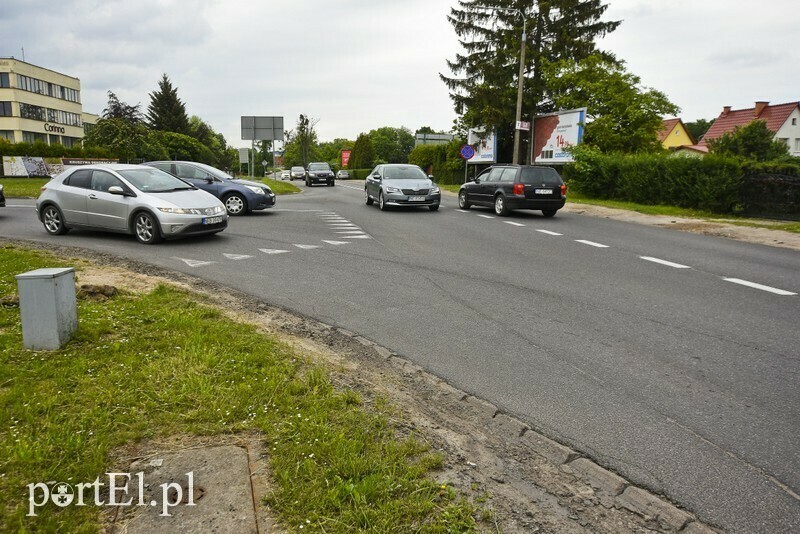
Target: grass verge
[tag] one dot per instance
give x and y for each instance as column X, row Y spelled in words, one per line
column 163, row 364
column 450, row 187
column 22, row 187
column 672, row 211
column 280, row 187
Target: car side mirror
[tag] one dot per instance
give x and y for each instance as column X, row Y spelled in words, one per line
column 116, row 190
column 209, row 179
column 477, row 180
column 430, row 177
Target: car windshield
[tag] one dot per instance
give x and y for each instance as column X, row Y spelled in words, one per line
column 540, row 175
column 154, row 181
column 298, row 169
column 319, row 167
column 215, row 171
column 404, row 172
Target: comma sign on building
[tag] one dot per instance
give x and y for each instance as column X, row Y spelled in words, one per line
column 262, row 128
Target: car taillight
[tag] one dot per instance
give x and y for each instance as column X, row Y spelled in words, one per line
column 564, row 190
column 519, row 189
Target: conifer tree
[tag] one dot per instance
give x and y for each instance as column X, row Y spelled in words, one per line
column 166, row 111
column 483, row 86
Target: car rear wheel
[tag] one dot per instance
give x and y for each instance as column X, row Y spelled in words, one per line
column 53, row 221
column 146, row 228
column 500, row 207
column 463, row 203
column 235, row 204
column 381, row 202
column 367, row 198
column 549, row 213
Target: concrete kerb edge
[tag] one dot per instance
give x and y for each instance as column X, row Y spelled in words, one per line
column 556, row 453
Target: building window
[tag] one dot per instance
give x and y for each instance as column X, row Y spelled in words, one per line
column 797, row 145
column 69, row 142
column 4, row 80
column 794, row 121
column 5, row 109
column 28, row 111
column 8, row 135
column 26, row 83
column 32, row 137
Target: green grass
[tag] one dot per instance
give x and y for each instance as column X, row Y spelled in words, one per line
column 450, row 187
column 672, row 211
column 162, row 364
column 23, row 187
column 280, row 187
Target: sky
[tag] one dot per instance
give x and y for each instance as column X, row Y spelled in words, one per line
column 357, row 65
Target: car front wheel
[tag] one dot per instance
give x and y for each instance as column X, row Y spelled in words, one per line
column 367, row 198
column 434, row 207
column 235, row 204
column 463, row 203
column 53, row 221
column 146, row 228
column 381, row 202
column 500, row 207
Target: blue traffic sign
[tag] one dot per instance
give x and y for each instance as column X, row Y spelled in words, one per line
column 467, row 152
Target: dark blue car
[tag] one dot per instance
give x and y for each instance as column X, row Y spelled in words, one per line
column 239, row 196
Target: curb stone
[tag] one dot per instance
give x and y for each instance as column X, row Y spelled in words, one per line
column 695, row 527
column 383, row 352
column 486, row 411
column 551, row 450
column 599, row 478
column 644, row 503
column 512, row 428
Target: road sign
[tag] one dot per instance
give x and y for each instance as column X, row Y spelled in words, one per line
column 522, row 125
column 262, row 128
column 244, row 155
column 467, row 152
column 263, row 163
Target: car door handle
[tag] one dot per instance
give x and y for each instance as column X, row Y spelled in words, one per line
column 93, row 196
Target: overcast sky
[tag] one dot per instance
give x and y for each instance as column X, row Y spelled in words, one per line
column 361, row 64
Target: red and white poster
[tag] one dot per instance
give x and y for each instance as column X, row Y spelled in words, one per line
column 555, row 133
column 346, row 157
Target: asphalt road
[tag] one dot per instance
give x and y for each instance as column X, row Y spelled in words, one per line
column 650, row 350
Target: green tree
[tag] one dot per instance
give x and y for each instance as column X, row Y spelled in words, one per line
column 166, row 111
column 392, row 145
column 699, row 128
column 753, row 142
column 225, row 157
column 363, row 155
column 182, row 147
column 330, row 151
column 120, row 110
column 485, row 76
column 302, row 145
column 623, row 116
column 126, row 140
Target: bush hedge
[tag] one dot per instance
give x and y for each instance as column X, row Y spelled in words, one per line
column 712, row 183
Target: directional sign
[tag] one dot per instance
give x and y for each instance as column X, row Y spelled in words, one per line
column 467, row 152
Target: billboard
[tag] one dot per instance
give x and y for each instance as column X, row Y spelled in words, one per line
column 346, row 157
column 485, row 145
column 262, row 128
column 554, row 133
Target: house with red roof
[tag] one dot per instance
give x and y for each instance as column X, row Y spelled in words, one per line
column 674, row 134
column 782, row 119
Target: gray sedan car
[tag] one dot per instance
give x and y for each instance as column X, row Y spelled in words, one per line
column 131, row 199
column 401, row 185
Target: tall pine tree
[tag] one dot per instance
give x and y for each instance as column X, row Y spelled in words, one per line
column 166, row 111
column 483, row 86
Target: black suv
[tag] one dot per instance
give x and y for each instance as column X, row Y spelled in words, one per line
column 319, row 172
column 510, row 187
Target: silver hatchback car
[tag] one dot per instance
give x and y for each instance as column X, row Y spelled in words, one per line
column 132, row 199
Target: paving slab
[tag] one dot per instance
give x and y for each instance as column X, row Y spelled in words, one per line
column 222, row 494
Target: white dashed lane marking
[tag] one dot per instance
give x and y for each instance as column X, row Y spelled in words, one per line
column 350, row 232
column 305, row 247
column 273, row 251
column 485, row 216
column 591, row 243
column 195, row 263
column 774, row 290
column 237, row 256
column 512, row 223
column 664, row 262
column 335, row 242
column 359, row 236
column 548, row 232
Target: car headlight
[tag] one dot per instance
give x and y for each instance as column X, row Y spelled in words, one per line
column 180, row 211
column 393, row 190
column 435, row 189
column 256, row 190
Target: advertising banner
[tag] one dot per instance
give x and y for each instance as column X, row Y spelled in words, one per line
column 346, row 157
column 485, row 145
column 555, row 133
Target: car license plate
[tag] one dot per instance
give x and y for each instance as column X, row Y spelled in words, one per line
column 543, row 191
column 212, row 220
column 416, row 199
